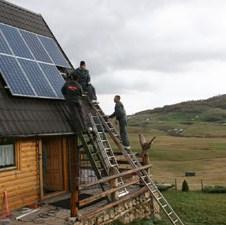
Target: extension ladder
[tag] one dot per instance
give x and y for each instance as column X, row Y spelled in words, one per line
column 88, row 143
column 107, row 151
column 143, row 174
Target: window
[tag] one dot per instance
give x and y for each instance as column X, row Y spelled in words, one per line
column 7, row 156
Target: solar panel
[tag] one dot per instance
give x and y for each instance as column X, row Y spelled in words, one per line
column 29, row 63
column 37, row 78
column 54, row 77
column 54, row 51
column 3, row 45
column 36, row 47
column 14, row 77
column 15, row 41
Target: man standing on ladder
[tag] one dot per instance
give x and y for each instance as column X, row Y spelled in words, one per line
column 84, row 80
column 72, row 92
column 120, row 115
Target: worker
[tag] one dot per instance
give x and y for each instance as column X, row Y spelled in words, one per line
column 72, row 92
column 120, row 115
column 84, row 80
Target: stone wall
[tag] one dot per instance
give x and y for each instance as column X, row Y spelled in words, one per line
column 139, row 207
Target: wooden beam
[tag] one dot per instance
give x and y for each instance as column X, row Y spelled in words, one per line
column 39, row 145
column 107, row 179
column 106, row 193
column 144, row 144
column 111, row 205
column 74, row 175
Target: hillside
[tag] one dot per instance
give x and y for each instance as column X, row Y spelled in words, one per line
column 202, row 118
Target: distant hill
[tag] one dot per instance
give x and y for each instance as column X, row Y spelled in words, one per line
column 178, row 118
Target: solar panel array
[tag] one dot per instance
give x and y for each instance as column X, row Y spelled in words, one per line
column 28, row 63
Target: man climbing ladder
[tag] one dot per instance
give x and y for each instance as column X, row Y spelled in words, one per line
column 120, row 115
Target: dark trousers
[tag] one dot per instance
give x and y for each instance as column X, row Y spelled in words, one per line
column 123, row 132
column 91, row 92
column 77, row 121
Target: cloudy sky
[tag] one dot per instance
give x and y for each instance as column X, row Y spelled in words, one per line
column 150, row 52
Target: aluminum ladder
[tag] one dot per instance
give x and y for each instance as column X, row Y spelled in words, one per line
column 143, row 174
column 107, row 151
column 88, row 144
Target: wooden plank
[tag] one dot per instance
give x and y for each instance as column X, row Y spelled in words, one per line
column 74, row 175
column 97, row 211
column 65, row 163
column 107, row 179
column 106, row 193
column 40, row 169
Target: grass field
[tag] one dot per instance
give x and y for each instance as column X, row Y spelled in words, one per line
column 191, row 136
column 172, row 156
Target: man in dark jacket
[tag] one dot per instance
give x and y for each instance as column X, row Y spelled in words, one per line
column 120, row 115
column 84, row 80
column 72, row 92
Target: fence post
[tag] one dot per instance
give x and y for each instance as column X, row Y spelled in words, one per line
column 175, row 181
column 202, row 186
column 114, row 184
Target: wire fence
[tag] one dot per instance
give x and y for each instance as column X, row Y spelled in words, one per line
column 194, row 183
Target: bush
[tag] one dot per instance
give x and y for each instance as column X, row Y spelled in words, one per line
column 164, row 187
column 214, row 189
column 185, row 187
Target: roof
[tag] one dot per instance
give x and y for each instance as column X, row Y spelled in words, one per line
column 31, row 117
column 27, row 116
column 23, row 18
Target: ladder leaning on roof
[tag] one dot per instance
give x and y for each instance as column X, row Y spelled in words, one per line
column 107, row 151
column 143, row 174
column 88, row 143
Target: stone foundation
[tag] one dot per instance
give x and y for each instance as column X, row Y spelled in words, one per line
column 140, row 207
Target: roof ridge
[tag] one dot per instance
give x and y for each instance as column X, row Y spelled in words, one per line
column 20, row 7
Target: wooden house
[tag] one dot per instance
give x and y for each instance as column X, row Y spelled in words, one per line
column 35, row 136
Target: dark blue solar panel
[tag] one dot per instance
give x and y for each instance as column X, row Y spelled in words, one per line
column 37, row 78
column 15, row 41
column 14, row 77
column 3, row 45
column 35, row 46
column 54, row 51
column 54, row 77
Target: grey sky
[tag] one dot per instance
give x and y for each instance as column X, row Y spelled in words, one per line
column 151, row 52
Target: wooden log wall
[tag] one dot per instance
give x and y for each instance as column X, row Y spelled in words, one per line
column 22, row 183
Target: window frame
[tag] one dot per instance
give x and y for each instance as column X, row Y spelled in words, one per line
column 7, row 141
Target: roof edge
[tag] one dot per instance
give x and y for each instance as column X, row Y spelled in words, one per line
column 20, row 7
column 38, row 135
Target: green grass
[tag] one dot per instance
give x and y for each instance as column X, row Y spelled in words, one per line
column 191, row 136
column 194, row 208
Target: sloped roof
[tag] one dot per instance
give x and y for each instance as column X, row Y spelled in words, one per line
column 27, row 116
column 22, row 18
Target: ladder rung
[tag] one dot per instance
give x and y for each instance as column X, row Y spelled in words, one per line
column 170, row 213
column 175, row 221
column 111, row 157
column 121, row 194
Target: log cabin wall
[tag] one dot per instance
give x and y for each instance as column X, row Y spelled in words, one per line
column 21, row 182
